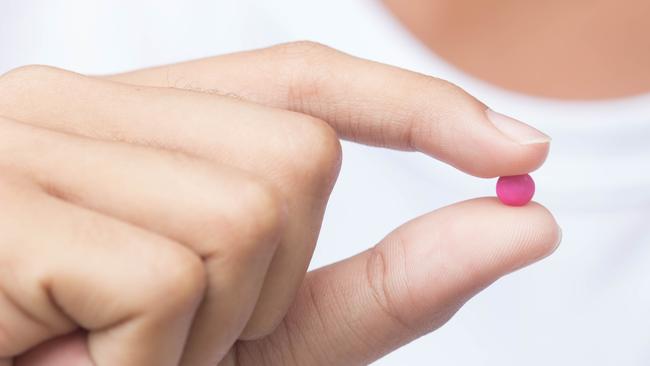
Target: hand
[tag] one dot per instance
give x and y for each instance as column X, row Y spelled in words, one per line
column 405, row 286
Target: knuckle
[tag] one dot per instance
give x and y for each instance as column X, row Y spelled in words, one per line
column 21, row 72
column 303, row 48
column 175, row 271
column 317, row 154
column 251, row 219
column 382, row 276
column 28, row 73
column 261, row 212
column 20, row 88
column 305, row 66
column 232, row 213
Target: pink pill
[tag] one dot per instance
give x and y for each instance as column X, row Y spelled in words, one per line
column 515, row 190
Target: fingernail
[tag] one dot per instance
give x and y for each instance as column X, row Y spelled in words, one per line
column 516, row 130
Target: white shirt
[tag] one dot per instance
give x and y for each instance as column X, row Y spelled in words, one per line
column 585, row 305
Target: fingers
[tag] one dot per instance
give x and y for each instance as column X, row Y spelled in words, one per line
column 228, row 218
column 355, row 311
column 415, row 112
column 134, row 292
column 366, row 102
column 257, row 139
column 110, row 111
column 177, row 196
column 224, row 129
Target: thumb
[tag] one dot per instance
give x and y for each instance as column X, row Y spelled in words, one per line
column 357, row 310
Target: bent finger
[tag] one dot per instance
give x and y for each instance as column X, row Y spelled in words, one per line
column 260, row 140
column 230, row 219
column 135, row 292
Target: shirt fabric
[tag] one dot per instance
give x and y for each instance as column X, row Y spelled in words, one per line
column 585, row 305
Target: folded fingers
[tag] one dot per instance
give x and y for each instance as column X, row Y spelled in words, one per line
column 297, row 154
column 229, row 220
column 105, row 276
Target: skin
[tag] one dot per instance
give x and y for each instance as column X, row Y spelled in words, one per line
column 581, row 49
column 175, row 226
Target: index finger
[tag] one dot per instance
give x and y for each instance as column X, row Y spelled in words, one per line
column 366, row 102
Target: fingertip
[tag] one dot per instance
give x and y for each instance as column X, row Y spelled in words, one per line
column 529, row 232
column 521, row 148
column 546, row 233
column 479, row 240
column 479, row 141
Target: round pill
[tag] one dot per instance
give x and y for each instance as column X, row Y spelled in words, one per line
column 515, row 190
